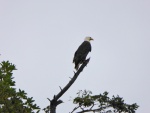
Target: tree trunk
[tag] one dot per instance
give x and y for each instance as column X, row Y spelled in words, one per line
column 53, row 109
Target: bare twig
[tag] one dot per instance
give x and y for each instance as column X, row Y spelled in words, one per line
column 74, row 109
column 89, row 110
column 92, row 106
column 49, row 99
column 60, row 88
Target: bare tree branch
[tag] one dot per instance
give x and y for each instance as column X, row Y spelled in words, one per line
column 55, row 101
column 94, row 110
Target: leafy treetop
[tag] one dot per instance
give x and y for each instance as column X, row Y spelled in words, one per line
column 87, row 103
column 12, row 101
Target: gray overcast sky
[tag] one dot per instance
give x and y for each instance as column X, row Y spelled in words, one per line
column 41, row 36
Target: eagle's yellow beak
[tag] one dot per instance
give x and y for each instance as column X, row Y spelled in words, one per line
column 91, row 39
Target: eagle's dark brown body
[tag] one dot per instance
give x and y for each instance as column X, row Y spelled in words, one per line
column 81, row 53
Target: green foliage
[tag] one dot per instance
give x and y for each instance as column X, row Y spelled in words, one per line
column 12, row 101
column 87, row 102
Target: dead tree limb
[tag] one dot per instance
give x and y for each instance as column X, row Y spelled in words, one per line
column 56, row 101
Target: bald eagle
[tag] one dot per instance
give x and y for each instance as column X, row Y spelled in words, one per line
column 82, row 52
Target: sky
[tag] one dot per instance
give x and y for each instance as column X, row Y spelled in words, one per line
column 41, row 36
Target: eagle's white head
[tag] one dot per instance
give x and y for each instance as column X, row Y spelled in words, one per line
column 88, row 38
